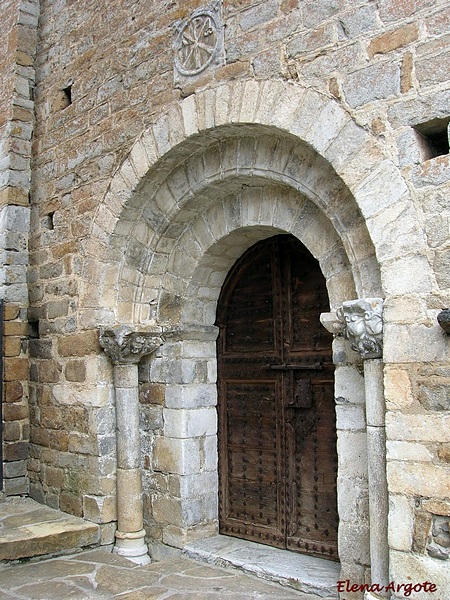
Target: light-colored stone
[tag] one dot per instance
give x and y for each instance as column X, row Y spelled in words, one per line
column 191, row 396
column 398, row 389
column 352, row 453
column 349, row 385
column 182, row 423
column 350, row 417
column 28, row 530
column 176, row 456
column 422, row 479
column 409, row 451
column 417, row 427
column 401, row 517
column 423, row 569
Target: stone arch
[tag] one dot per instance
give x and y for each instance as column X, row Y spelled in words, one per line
column 213, row 241
column 222, row 140
column 215, row 173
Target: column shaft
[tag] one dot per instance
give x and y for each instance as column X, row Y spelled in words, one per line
column 129, row 478
column 126, row 347
column 378, row 492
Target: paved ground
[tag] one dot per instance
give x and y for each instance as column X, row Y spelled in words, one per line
column 97, row 574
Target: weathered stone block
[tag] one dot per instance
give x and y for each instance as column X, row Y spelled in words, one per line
column 192, row 486
column 11, row 311
column 434, row 397
column 398, row 389
column 358, row 20
column 16, row 369
column 16, row 487
column 372, row 83
column 179, row 537
column 311, row 40
column 13, row 391
column 75, row 370
column 167, row 510
column 444, row 452
column 48, row 371
column 176, row 456
column 57, row 308
column 152, row 393
column 40, row 348
column 71, row 504
column 349, row 385
column 11, row 431
column 15, row 451
column 53, row 477
column 99, row 509
column 15, row 412
column 17, row 468
column 352, row 453
column 423, row 567
column 401, row 522
column 12, row 346
column 79, row 344
column 350, row 417
column 353, row 499
column 437, row 507
column 191, row 396
column 151, row 418
column 417, row 427
column 422, row 479
column 392, row 40
column 83, row 444
column 409, row 451
column 414, row 343
column 107, row 533
column 182, row 423
column 433, row 69
column 353, row 541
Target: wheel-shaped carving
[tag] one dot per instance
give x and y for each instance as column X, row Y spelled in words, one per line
column 196, row 44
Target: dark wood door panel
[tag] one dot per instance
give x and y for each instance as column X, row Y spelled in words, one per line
column 277, row 438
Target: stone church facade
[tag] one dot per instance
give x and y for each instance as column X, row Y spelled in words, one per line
column 146, row 146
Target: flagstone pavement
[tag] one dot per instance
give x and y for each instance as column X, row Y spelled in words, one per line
column 98, row 574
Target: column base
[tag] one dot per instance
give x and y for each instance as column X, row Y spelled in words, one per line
column 132, row 546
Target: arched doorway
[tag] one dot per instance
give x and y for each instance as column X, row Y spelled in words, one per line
column 277, row 432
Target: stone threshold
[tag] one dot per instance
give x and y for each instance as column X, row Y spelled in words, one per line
column 307, row 574
column 29, row 529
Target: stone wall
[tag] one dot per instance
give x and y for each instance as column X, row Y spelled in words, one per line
column 148, row 183
column 19, row 39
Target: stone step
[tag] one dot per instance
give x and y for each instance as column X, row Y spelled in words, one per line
column 29, row 529
column 307, row 574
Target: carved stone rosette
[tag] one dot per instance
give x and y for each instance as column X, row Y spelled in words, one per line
column 198, row 42
column 124, row 345
column 362, row 323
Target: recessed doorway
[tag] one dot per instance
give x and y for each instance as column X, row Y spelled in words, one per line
column 277, row 428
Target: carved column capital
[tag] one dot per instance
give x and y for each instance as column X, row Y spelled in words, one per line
column 362, row 325
column 125, row 346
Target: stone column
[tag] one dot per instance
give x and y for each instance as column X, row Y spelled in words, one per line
column 363, row 326
column 125, row 348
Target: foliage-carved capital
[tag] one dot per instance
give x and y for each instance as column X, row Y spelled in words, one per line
column 362, row 325
column 124, row 345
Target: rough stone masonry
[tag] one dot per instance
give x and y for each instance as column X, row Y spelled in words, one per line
column 144, row 147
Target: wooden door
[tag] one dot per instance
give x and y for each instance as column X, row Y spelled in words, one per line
column 277, row 434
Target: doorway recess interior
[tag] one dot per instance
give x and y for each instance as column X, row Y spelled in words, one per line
column 277, row 430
